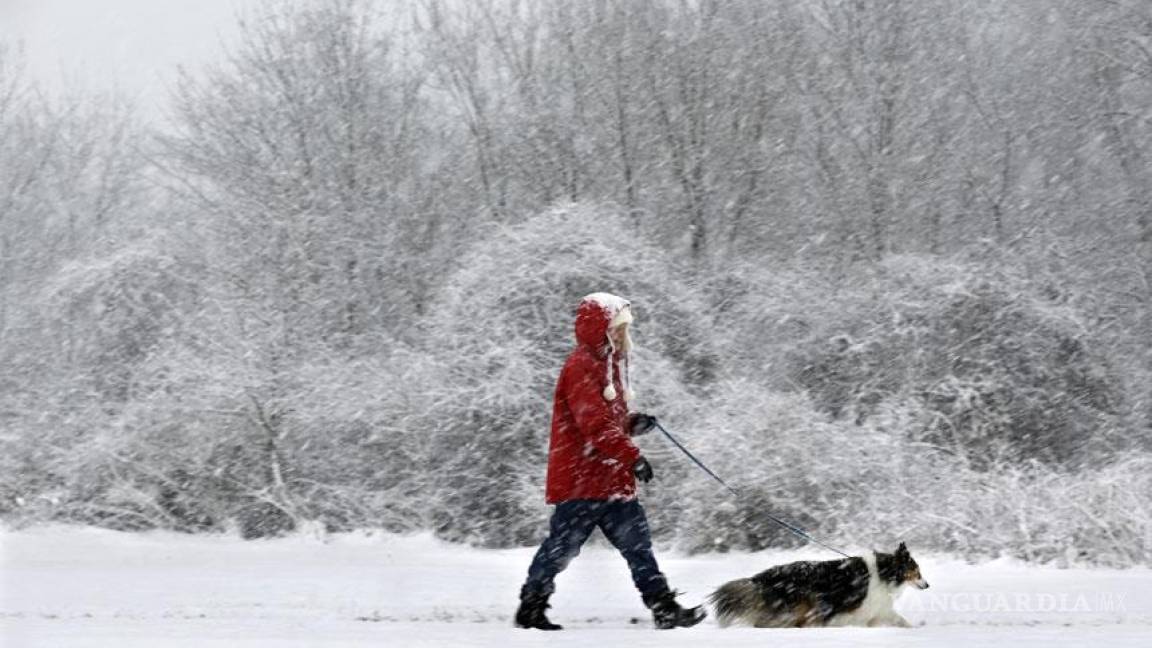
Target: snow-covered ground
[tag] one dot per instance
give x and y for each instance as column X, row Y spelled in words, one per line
column 87, row 587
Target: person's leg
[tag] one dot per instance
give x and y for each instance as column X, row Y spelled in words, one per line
column 626, row 527
column 571, row 524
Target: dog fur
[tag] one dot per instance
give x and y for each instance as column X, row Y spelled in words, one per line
column 857, row 591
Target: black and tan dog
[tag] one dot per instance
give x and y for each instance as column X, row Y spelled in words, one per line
column 856, row 591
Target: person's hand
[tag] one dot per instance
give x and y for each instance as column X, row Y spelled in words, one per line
column 642, row 423
column 643, row 470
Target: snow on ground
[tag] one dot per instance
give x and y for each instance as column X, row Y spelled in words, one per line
column 62, row 586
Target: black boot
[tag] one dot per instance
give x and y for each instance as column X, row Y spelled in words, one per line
column 530, row 614
column 667, row 613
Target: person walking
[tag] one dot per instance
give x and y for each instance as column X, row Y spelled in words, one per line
column 593, row 467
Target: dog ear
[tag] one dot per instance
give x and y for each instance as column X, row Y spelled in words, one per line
column 902, row 550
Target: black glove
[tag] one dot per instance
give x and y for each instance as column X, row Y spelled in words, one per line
column 643, row 470
column 642, row 423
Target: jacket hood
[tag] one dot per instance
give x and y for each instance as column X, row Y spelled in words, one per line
column 594, row 316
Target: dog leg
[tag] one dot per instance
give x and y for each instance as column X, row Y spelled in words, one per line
column 893, row 619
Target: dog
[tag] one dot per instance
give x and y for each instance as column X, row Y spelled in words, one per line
column 858, row 591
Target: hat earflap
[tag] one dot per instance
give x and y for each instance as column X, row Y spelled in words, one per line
column 610, row 388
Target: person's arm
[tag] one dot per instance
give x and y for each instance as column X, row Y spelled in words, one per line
column 594, row 418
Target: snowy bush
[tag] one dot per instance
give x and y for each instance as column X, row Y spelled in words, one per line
column 997, row 371
column 1029, row 510
column 901, row 405
column 501, row 329
column 949, row 405
column 869, row 486
column 133, row 299
column 236, row 433
column 784, row 458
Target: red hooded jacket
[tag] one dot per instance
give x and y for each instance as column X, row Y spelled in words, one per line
column 591, row 455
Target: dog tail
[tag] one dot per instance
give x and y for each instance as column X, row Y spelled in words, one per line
column 734, row 601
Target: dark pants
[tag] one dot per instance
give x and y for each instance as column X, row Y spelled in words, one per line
column 625, row 526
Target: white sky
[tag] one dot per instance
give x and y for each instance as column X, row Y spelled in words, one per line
column 130, row 45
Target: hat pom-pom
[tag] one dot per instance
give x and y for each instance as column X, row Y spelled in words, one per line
column 610, row 392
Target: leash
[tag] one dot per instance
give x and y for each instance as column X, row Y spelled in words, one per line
column 801, row 533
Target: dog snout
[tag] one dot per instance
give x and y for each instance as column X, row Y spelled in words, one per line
column 921, row 584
